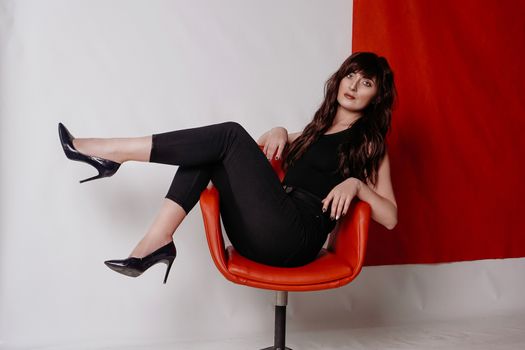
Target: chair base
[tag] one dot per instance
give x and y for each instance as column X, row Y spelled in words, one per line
column 281, row 300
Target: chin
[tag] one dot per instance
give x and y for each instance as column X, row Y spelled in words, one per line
column 351, row 108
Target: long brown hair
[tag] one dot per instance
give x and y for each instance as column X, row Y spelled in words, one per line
column 365, row 147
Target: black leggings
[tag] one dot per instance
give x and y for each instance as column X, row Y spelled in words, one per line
column 261, row 220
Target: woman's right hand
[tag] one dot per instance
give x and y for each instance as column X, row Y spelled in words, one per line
column 274, row 142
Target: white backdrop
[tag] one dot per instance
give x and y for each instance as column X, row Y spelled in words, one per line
column 133, row 68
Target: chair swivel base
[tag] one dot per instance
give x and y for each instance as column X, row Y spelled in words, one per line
column 280, row 322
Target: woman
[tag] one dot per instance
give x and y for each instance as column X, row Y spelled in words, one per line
column 340, row 154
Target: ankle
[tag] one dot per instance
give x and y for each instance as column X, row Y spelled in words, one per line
column 148, row 244
column 97, row 147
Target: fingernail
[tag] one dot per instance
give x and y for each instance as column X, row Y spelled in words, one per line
column 331, row 217
column 337, row 217
column 276, row 158
column 343, row 214
column 324, row 210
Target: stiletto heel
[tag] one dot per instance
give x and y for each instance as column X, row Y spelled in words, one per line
column 135, row 267
column 105, row 167
column 168, row 268
column 99, row 176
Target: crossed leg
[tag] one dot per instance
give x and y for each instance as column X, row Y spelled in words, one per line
column 122, row 150
column 258, row 215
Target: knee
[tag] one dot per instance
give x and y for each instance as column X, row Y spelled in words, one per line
column 234, row 128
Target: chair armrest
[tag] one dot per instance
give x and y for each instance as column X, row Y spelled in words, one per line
column 209, row 203
column 348, row 240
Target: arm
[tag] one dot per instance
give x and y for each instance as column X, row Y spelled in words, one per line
column 381, row 197
column 264, row 137
column 275, row 140
column 293, row 136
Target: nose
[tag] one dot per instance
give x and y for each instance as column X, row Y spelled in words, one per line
column 353, row 84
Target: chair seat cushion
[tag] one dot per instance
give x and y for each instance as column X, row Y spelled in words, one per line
column 327, row 267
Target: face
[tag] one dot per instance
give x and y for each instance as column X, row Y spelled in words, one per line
column 356, row 92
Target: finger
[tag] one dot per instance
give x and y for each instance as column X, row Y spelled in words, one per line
column 279, row 151
column 271, row 151
column 335, row 202
column 326, row 202
column 265, row 149
column 340, row 207
column 347, row 205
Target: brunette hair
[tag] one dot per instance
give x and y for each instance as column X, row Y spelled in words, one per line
column 361, row 153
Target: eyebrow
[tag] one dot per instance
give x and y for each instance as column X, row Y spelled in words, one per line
column 364, row 76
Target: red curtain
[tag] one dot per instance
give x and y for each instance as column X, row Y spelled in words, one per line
column 457, row 146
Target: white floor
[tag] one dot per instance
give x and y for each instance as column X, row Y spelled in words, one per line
column 494, row 333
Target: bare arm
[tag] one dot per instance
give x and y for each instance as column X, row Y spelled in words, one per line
column 274, row 141
column 291, row 137
column 381, row 197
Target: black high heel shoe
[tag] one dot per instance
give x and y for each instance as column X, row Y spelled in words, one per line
column 105, row 167
column 134, row 267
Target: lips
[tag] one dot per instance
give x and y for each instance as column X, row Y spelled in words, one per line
column 350, row 97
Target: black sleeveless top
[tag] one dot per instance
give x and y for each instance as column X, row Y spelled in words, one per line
column 316, row 170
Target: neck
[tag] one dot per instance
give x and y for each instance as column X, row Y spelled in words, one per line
column 345, row 117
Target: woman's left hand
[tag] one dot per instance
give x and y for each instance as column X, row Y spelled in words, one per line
column 341, row 196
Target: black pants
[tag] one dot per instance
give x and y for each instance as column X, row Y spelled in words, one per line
column 262, row 221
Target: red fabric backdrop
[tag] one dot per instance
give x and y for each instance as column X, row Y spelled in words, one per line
column 457, row 144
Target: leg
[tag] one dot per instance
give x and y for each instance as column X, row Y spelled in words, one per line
column 183, row 195
column 188, row 183
column 161, row 230
column 260, row 219
column 118, row 150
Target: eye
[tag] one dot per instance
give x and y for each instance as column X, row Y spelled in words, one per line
column 367, row 83
column 350, row 75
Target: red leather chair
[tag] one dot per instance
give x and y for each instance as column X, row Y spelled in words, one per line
column 334, row 267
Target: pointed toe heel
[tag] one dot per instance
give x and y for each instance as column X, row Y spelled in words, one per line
column 134, row 267
column 105, row 167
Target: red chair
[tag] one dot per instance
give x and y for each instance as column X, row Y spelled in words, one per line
column 334, row 267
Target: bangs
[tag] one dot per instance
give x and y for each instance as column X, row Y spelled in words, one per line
column 366, row 65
